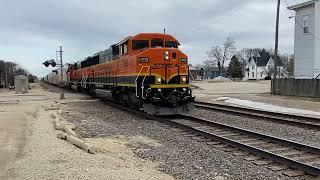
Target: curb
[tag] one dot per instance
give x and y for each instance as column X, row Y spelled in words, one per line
column 69, row 135
column 77, row 142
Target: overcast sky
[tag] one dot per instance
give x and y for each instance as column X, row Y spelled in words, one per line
column 32, row 30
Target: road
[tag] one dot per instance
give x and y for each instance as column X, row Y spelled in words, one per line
column 15, row 112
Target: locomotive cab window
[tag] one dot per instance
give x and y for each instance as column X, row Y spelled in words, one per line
column 156, row 43
column 140, row 44
column 115, row 50
column 124, row 48
column 171, row 44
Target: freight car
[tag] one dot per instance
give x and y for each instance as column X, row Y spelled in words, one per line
column 146, row 71
column 54, row 77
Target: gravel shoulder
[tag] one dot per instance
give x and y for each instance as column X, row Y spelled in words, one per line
column 181, row 156
column 44, row 156
column 297, row 134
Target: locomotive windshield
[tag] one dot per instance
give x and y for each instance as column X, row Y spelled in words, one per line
column 156, row 43
column 140, row 44
column 171, row 44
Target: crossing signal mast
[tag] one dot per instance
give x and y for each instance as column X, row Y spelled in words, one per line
column 53, row 63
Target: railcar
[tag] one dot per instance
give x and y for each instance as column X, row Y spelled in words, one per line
column 55, row 78
column 146, row 71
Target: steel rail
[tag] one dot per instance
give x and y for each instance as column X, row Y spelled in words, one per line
column 180, row 122
column 278, row 117
column 172, row 120
column 310, row 169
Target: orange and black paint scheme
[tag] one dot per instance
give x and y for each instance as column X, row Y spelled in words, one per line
column 146, row 71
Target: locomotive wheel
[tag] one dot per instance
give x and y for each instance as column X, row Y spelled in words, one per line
column 92, row 91
column 130, row 103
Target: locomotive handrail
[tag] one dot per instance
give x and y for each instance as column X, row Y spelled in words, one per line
column 142, row 83
column 84, row 80
column 136, row 82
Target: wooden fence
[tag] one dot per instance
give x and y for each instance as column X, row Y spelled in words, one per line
column 296, row 87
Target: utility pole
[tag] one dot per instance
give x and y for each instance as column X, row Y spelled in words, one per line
column 276, row 42
column 6, row 75
column 61, row 72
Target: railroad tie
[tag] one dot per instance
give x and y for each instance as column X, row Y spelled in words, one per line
column 294, row 173
column 278, row 167
column 292, row 153
column 315, row 162
column 306, row 157
column 255, row 142
column 262, row 162
column 239, row 153
column 248, row 140
column 213, row 143
column 279, row 149
column 252, row 158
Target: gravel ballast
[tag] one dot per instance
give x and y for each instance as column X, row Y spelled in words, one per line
column 178, row 155
column 293, row 133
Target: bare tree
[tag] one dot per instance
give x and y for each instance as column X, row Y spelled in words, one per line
column 247, row 53
column 218, row 56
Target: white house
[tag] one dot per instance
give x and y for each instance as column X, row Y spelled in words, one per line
column 260, row 67
column 307, row 39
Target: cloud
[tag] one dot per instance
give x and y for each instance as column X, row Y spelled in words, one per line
column 32, row 30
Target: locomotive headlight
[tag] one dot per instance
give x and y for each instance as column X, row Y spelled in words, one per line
column 166, row 55
column 183, row 79
column 158, row 80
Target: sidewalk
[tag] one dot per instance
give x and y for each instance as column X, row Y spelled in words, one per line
column 255, row 94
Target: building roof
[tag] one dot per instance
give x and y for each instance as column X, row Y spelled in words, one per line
column 279, row 62
column 302, row 5
column 264, row 58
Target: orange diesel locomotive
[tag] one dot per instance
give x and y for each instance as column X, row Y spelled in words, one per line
column 146, row 71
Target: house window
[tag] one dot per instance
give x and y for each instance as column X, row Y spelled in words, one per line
column 252, row 67
column 253, row 74
column 248, row 74
column 306, row 23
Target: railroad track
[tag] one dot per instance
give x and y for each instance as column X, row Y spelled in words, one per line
column 295, row 120
column 273, row 149
column 276, row 153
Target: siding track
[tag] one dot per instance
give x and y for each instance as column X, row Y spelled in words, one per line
column 290, row 119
